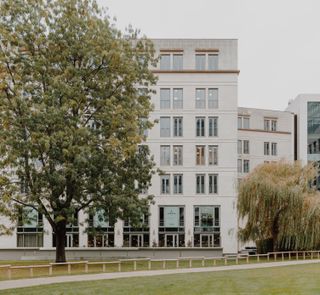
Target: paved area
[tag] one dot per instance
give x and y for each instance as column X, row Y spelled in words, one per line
column 117, row 275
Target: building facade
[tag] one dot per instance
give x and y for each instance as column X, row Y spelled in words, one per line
column 203, row 144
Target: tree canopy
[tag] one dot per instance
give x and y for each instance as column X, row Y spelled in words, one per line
column 277, row 203
column 74, row 97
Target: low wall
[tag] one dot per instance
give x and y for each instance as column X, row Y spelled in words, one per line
column 107, row 253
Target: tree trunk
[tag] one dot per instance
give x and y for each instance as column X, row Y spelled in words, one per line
column 60, row 241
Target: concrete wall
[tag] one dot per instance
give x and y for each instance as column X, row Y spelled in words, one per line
column 105, row 254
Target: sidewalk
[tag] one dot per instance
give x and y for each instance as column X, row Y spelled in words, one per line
column 117, row 275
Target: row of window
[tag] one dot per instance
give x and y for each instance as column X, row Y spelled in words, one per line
column 171, row 231
column 177, row 186
column 270, row 148
column 269, row 124
column 165, row 155
column 200, row 124
column 203, row 98
column 203, row 61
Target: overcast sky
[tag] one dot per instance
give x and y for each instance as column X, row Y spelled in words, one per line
column 279, row 40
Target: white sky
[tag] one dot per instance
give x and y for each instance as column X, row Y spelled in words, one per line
column 279, row 40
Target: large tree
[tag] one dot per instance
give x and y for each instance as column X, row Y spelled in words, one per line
column 71, row 112
column 277, row 203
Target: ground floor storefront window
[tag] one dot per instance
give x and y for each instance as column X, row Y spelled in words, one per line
column 101, row 239
column 100, row 231
column 171, row 226
column 206, row 226
column 138, row 235
column 30, row 228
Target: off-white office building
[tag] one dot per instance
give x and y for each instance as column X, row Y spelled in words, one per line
column 202, row 142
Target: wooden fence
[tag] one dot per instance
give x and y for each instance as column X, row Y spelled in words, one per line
column 224, row 260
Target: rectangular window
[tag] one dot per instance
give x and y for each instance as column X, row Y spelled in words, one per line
column 165, row 62
column 273, row 125
column 171, row 216
column 143, row 130
column 177, row 155
column 177, row 62
column 177, row 183
column 239, row 122
column 213, row 155
column 213, row 100
column 165, row 155
column 243, row 122
column 266, row 124
column 200, row 155
column 274, row 151
column 200, row 98
column 200, row 62
column 164, row 126
column 164, row 98
column 239, row 147
column 246, row 147
column 239, row 166
column 213, row 62
column 246, row 166
column 246, row 122
column 213, row 183
column 165, row 184
column 213, row 126
column 177, row 126
column 200, row 126
column 200, row 179
column 266, row 148
column 177, row 98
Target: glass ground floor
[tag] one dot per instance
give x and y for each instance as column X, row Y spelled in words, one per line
column 172, row 229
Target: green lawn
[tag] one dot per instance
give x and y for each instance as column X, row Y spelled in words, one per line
column 301, row 279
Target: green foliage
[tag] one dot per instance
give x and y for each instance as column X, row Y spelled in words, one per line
column 276, row 202
column 70, row 110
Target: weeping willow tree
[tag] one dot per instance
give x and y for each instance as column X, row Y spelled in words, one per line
column 278, row 204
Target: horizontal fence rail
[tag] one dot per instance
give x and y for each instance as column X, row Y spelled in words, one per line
column 132, row 264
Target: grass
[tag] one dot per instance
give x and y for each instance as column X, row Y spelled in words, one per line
column 125, row 266
column 299, row 279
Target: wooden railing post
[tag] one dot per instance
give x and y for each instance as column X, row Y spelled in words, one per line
column 103, row 267
column 164, row 264
column 31, row 271
column 268, row 257
column 304, row 255
column 119, row 266
column 225, row 261
column 190, row 262
column 86, row 267
column 297, row 255
column 214, row 262
column 9, row 273
column 282, row 256
column 134, row 264
column 258, row 258
column 149, row 264
column 202, row 262
column 69, row 268
column 275, row 256
column 50, row 270
column 177, row 263
column 248, row 259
